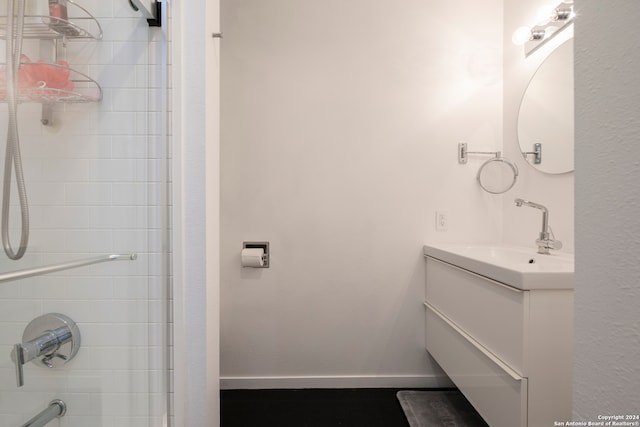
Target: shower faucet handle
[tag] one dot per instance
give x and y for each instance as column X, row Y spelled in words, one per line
column 17, row 355
column 54, row 339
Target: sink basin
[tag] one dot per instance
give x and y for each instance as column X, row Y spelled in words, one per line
column 520, row 267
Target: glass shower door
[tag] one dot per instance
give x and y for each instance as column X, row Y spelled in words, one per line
column 89, row 118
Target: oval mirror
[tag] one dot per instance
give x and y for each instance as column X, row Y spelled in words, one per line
column 545, row 121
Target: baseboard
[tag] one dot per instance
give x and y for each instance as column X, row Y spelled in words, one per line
column 382, row 381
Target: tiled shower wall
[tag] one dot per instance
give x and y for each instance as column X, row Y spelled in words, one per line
column 95, row 184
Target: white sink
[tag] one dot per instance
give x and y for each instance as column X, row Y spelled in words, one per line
column 520, row 267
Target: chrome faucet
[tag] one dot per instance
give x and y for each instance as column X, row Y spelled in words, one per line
column 546, row 240
column 52, row 338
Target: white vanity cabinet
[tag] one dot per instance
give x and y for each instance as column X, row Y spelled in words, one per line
column 509, row 350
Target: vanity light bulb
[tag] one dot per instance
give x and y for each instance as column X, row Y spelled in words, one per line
column 521, row 36
column 545, row 14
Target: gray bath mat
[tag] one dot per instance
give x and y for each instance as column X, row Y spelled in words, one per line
column 437, row 408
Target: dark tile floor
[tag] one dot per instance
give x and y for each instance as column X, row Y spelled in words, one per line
column 312, row 408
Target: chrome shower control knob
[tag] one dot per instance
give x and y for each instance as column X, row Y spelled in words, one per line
column 50, row 340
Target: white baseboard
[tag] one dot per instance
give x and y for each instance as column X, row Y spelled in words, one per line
column 382, row 381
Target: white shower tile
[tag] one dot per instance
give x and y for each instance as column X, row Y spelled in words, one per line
column 62, row 146
column 130, row 100
column 143, row 78
column 65, row 217
column 75, row 309
column 67, row 169
column 119, row 311
column 156, row 311
column 83, row 400
column 88, row 194
column 100, row 9
column 20, row 310
column 155, row 100
column 131, row 288
column 130, row 147
column 88, row 241
column 114, row 77
column 43, row 289
column 118, row 335
column 9, row 332
column 118, row 217
column 114, row 170
column 134, row 240
column 86, row 288
column 78, row 122
column 130, row 52
column 157, row 287
column 130, row 194
column 33, row 168
column 90, row 53
column 50, row 241
column 156, row 217
column 141, row 123
column 120, row 357
column 155, row 53
column 125, row 404
column 156, row 196
column 116, row 123
column 118, row 30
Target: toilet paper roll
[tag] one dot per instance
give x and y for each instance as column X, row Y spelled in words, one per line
column 252, row 257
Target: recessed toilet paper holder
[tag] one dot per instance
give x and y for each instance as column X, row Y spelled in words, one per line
column 259, row 245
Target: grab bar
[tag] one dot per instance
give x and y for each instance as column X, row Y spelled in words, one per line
column 36, row 271
column 56, row 409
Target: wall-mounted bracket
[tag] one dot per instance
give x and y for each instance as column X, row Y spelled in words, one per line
column 463, row 153
column 537, row 153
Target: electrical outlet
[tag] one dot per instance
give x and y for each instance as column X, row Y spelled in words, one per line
column 442, row 220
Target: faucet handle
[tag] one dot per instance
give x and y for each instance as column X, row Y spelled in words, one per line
column 17, row 355
column 555, row 244
column 53, row 338
column 544, row 244
column 552, row 242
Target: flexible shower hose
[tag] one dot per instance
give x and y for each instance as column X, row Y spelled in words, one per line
column 15, row 30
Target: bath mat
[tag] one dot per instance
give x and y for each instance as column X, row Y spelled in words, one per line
column 437, row 408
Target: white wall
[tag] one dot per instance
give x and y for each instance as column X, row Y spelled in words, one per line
column 607, row 200
column 522, row 225
column 340, row 125
column 93, row 182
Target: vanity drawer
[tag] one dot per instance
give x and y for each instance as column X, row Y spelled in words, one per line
column 494, row 314
column 498, row 393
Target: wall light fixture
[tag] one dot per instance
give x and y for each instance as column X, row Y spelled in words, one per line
column 532, row 38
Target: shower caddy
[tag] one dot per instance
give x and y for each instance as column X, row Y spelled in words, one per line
column 79, row 24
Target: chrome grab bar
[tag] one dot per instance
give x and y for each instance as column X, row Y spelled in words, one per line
column 56, row 409
column 36, row 271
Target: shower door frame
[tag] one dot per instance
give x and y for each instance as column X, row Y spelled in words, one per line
column 195, row 198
